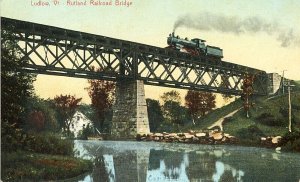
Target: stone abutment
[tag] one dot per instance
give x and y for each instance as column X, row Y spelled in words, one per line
column 130, row 115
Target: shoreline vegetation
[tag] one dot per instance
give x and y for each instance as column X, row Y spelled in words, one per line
column 40, row 156
column 29, row 166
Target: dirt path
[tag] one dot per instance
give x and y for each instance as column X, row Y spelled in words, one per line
column 219, row 123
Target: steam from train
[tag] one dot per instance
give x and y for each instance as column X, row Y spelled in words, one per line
column 206, row 21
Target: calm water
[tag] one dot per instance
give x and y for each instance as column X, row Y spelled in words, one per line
column 149, row 161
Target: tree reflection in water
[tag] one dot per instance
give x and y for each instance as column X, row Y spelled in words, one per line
column 120, row 163
column 150, row 161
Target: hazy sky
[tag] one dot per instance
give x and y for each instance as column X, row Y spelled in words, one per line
column 260, row 34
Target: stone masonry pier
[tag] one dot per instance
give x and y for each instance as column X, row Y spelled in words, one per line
column 130, row 115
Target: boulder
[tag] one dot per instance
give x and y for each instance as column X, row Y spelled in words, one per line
column 156, row 139
column 187, row 140
column 150, row 137
column 172, row 135
column 263, row 139
column 276, row 140
column 180, row 134
column 226, row 135
column 217, row 135
column 195, row 139
column 188, row 136
column 200, row 135
column 150, row 134
column 181, row 140
column 192, row 132
column 158, row 135
column 224, row 139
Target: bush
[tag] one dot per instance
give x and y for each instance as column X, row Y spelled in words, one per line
column 168, row 127
column 49, row 143
column 292, row 146
column 40, row 115
column 291, row 141
column 250, row 133
column 269, row 120
column 13, row 138
column 26, row 166
column 85, row 132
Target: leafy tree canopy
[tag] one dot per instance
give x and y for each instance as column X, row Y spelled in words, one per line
column 102, row 94
column 199, row 103
column 171, row 96
column 66, row 107
column 16, row 86
column 155, row 114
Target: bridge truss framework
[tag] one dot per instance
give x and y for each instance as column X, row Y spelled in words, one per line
column 56, row 51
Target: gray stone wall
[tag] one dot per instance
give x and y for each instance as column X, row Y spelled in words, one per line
column 130, row 116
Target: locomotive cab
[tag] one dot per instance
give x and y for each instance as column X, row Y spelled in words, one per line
column 200, row 43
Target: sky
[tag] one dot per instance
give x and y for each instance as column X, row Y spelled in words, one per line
column 260, row 34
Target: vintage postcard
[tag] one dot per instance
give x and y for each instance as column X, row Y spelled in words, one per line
column 149, row 90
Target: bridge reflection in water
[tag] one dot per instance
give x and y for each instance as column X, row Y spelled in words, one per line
column 133, row 161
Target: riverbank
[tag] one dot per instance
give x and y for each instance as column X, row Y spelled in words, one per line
column 211, row 137
column 23, row 165
column 43, row 156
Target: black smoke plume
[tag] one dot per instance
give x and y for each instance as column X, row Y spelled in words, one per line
column 233, row 24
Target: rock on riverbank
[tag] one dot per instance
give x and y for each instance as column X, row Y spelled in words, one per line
column 271, row 141
column 208, row 137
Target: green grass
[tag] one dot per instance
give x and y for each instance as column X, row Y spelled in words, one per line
column 26, row 166
column 239, row 121
column 213, row 116
column 38, row 156
column 277, row 107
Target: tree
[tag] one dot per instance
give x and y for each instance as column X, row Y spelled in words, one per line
column 88, row 111
column 16, row 86
column 66, row 106
column 199, row 103
column 102, row 95
column 45, row 108
column 247, row 92
column 172, row 109
column 155, row 114
column 171, row 96
column 174, row 112
column 36, row 120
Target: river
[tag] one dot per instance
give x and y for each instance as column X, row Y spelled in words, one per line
column 150, row 161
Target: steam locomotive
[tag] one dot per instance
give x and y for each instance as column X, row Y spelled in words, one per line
column 194, row 46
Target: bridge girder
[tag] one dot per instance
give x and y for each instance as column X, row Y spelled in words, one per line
column 56, row 51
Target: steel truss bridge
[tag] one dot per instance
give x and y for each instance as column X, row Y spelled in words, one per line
column 57, row 51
